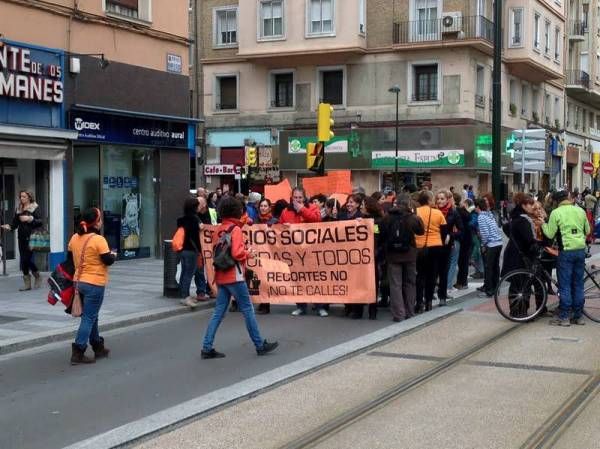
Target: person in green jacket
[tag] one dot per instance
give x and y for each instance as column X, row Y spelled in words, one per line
column 571, row 224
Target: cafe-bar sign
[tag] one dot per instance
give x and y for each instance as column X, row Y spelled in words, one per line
column 25, row 77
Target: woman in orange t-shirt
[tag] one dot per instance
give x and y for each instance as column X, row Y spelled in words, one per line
column 91, row 277
column 430, row 250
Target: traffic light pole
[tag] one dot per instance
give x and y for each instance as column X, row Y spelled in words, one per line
column 321, row 171
column 497, row 104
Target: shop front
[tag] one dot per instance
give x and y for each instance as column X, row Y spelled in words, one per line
column 441, row 156
column 575, row 146
column 33, row 143
column 119, row 162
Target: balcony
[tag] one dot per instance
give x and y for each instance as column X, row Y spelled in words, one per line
column 451, row 30
column 577, row 30
column 580, row 87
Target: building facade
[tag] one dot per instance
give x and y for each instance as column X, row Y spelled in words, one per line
column 264, row 76
column 124, row 117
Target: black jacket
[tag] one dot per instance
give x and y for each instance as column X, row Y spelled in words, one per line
column 26, row 229
column 191, row 225
column 454, row 226
column 412, row 223
column 522, row 242
column 467, row 232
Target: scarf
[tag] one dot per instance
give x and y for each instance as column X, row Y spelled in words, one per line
column 31, row 207
column 265, row 218
column 444, row 210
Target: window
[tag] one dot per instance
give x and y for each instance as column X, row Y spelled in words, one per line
column 425, row 82
column 321, row 17
column 271, row 18
column 592, row 121
column 331, row 86
column 547, row 108
column 556, row 43
column 479, row 80
column 535, row 100
column 362, row 26
column 516, row 23
column 282, row 89
column 524, row 99
column 129, row 9
column 536, row 31
column 547, row 37
column 226, row 98
column 225, row 26
column 557, row 115
column 512, row 89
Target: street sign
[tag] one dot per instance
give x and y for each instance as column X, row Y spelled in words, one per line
column 530, row 165
column 588, row 168
column 534, row 134
column 531, row 155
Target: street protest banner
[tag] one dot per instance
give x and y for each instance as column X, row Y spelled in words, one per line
column 334, row 182
column 281, row 191
column 314, row 263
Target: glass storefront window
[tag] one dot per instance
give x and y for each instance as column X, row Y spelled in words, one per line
column 129, row 200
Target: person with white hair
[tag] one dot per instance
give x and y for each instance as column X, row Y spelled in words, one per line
column 252, row 206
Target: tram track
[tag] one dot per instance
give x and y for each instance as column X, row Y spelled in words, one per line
column 341, row 422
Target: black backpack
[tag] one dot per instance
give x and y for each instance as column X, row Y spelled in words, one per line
column 222, row 258
column 400, row 238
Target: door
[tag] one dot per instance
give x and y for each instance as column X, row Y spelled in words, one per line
column 7, row 207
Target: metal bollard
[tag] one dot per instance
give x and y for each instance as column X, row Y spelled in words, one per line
column 170, row 259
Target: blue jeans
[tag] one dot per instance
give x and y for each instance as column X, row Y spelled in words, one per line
column 189, row 266
column 200, row 281
column 453, row 267
column 239, row 290
column 92, row 297
column 570, row 270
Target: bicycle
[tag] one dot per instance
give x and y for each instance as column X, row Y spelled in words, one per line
column 522, row 295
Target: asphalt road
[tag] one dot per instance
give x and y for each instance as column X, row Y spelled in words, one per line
column 46, row 403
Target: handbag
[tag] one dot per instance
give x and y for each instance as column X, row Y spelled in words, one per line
column 77, row 303
column 39, row 241
column 424, row 252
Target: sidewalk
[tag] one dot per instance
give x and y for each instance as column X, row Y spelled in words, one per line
column 133, row 295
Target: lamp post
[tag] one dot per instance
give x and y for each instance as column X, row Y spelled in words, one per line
column 396, row 90
column 497, row 104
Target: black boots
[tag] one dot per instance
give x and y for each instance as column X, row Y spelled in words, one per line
column 78, row 356
column 100, row 351
column 212, row 354
column 267, row 347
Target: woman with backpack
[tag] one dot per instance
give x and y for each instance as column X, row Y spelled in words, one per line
column 229, row 258
column 27, row 218
column 91, row 256
column 191, row 249
column 397, row 241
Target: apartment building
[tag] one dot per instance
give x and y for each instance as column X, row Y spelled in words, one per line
column 582, row 88
column 268, row 63
column 94, row 111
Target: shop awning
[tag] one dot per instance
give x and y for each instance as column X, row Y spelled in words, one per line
column 32, row 150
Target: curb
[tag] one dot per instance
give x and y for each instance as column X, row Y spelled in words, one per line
column 27, row 342
column 179, row 415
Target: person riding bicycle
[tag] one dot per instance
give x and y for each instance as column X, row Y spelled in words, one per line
column 572, row 224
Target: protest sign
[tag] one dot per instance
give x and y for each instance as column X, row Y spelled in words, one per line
column 334, row 182
column 281, row 191
column 314, row 263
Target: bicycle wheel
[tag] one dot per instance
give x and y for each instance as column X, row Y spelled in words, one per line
column 521, row 296
column 591, row 290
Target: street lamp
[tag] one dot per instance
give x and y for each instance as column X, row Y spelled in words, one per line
column 396, row 90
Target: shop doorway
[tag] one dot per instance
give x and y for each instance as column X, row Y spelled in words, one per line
column 8, row 196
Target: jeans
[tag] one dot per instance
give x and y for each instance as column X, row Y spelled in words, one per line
column 92, row 297
column 453, row 267
column 189, row 266
column 492, row 269
column 200, row 281
column 239, row 290
column 570, row 270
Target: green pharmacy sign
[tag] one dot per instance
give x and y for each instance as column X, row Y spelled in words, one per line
column 483, row 150
column 297, row 145
column 419, row 159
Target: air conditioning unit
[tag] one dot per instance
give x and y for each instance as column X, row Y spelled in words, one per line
column 452, row 22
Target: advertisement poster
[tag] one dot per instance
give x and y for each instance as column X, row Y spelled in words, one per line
column 130, row 224
column 314, row 263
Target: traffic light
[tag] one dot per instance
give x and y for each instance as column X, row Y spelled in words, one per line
column 315, row 157
column 325, row 122
column 251, row 157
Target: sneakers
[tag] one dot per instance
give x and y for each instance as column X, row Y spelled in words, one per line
column 267, row 347
column 202, row 297
column 559, row 322
column 323, row 313
column 190, row 301
column 299, row 312
column 212, row 354
column 578, row 321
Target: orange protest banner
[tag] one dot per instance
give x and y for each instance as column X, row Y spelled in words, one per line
column 326, row 263
column 281, row 191
column 335, row 182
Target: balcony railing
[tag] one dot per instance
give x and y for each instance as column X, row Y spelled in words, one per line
column 578, row 78
column 424, row 96
column 460, row 27
column 577, row 28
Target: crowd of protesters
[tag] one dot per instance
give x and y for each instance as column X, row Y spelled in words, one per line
column 427, row 244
